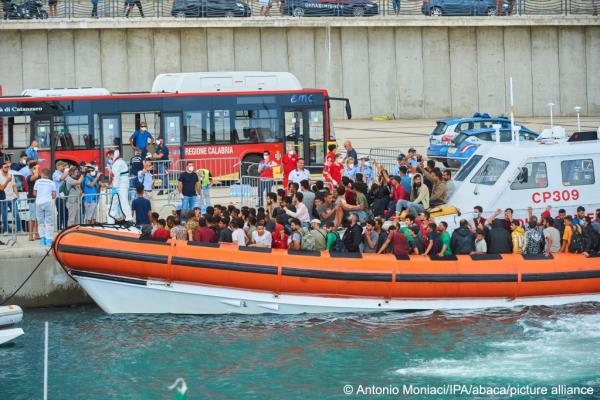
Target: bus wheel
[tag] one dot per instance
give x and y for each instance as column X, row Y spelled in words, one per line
column 250, row 165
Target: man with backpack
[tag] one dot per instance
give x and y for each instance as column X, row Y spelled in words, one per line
column 334, row 242
column 534, row 240
column 572, row 238
column 319, row 234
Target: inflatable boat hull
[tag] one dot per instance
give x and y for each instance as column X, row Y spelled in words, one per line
column 126, row 275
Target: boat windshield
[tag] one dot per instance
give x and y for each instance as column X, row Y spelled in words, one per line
column 468, row 167
column 490, row 171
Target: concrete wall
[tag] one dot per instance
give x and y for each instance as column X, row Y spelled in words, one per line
column 48, row 286
column 406, row 71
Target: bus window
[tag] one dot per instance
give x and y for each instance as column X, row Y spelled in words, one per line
column 577, row 172
column 257, row 126
column 533, row 175
column 41, row 131
column 19, row 134
column 223, row 127
column 490, row 172
column 316, row 137
column 197, row 127
column 73, row 132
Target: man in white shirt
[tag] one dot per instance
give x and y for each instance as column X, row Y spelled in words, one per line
column 145, row 178
column 238, row 236
column 552, row 236
column 45, row 192
column 59, row 176
column 301, row 210
column 299, row 174
column 120, row 207
column 261, row 237
column 11, row 196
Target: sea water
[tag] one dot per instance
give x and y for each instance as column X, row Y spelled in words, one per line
column 483, row 354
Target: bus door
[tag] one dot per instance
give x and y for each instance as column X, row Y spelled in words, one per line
column 304, row 129
column 110, row 137
column 172, row 130
column 43, row 130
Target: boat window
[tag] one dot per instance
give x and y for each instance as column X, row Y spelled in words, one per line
column 577, row 172
column 490, row 172
column 467, row 168
column 533, row 175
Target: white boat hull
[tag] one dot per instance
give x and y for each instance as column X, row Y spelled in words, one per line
column 118, row 295
column 10, row 315
column 6, row 335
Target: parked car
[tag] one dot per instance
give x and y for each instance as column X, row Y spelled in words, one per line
column 437, row 8
column 464, row 144
column 321, row 8
column 447, row 129
column 210, row 8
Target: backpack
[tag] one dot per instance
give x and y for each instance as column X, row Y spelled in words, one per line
column 307, row 243
column 535, row 242
column 338, row 246
column 63, row 189
column 577, row 242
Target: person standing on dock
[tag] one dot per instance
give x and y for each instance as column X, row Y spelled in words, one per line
column 45, row 192
column 189, row 186
column 141, row 138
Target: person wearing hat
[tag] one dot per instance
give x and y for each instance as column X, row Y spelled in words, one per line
column 319, row 234
column 140, row 139
column 401, row 161
column 413, row 159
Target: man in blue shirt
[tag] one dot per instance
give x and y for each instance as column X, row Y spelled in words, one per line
column 91, row 187
column 141, row 207
column 405, row 179
column 140, row 139
column 32, row 151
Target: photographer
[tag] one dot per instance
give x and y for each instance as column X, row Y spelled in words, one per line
column 91, row 188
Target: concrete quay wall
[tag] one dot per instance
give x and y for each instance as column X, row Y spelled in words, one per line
column 409, row 68
column 48, row 286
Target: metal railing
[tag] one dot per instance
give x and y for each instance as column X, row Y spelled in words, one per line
column 164, row 8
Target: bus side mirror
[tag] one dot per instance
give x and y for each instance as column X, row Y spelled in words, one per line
column 348, row 109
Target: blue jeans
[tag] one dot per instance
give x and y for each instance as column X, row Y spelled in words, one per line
column 413, row 208
column 161, row 166
column 6, row 204
column 187, row 204
column 361, row 214
column 263, row 185
column 204, row 197
column 62, row 215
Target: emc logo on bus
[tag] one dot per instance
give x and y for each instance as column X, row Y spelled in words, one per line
column 302, row 99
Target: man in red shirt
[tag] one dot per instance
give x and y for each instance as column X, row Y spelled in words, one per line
column 398, row 241
column 161, row 232
column 265, row 173
column 289, row 162
column 204, row 234
column 330, row 157
column 398, row 193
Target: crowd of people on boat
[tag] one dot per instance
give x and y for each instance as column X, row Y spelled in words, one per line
column 364, row 208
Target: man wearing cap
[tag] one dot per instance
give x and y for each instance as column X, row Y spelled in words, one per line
column 401, row 159
column 366, row 169
column 412, row 157
column 319, row 234
column 140, row 139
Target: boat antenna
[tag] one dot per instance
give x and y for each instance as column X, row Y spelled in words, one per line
column 551, row 105
column 512, row 111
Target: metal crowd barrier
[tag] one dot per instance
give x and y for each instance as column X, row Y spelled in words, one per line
column 163, row 8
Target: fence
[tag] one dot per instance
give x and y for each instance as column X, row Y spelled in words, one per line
column 164, row 8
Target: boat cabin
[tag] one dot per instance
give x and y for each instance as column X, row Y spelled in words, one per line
column 562, row 173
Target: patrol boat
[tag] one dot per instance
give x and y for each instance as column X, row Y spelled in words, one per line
column 555, row 170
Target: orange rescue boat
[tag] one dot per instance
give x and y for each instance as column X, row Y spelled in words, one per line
column 124, row 274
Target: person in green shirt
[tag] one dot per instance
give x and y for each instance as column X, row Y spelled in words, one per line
column 445, row 239
column 332, row 236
